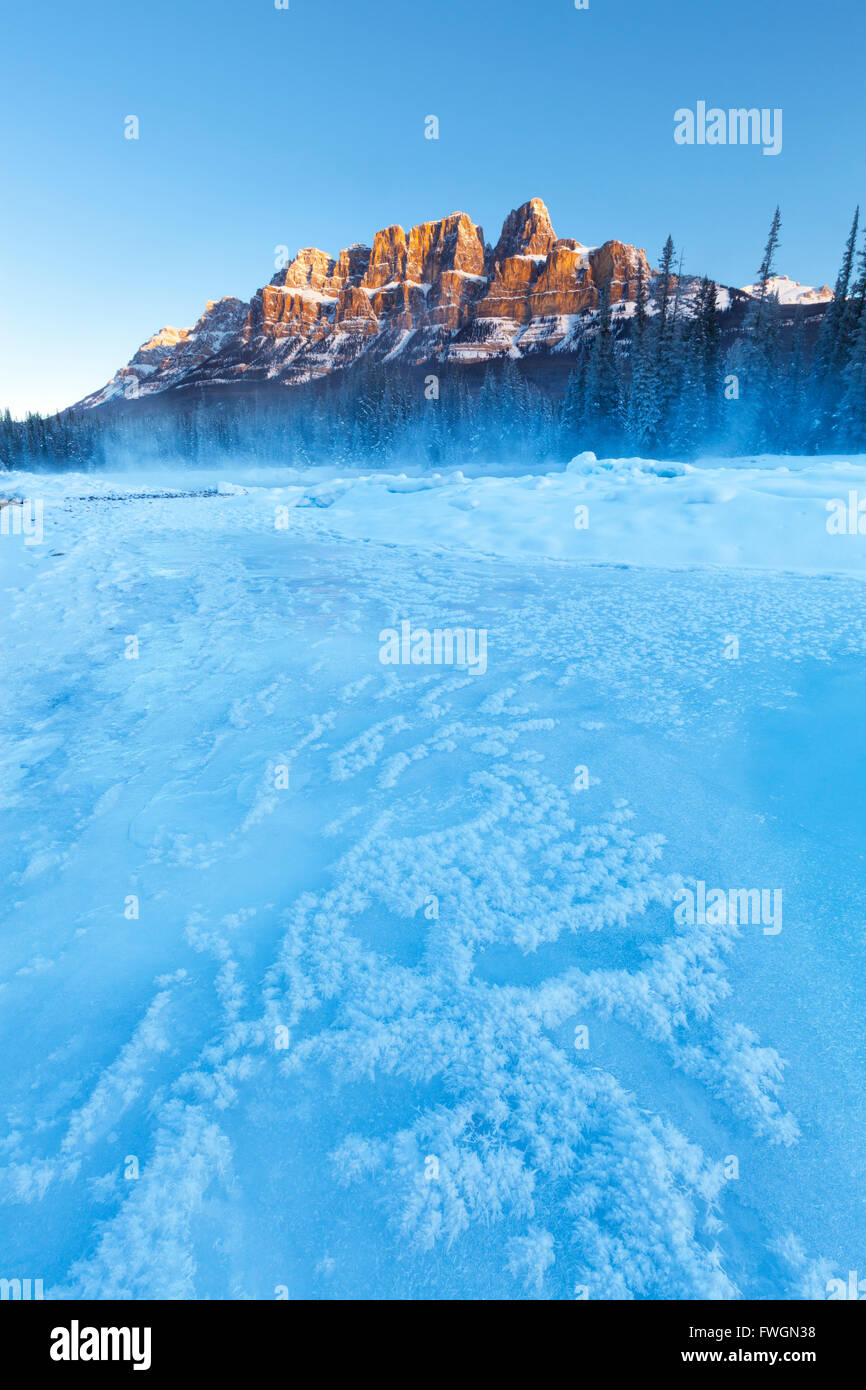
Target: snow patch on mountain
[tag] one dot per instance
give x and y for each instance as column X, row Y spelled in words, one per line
column 789, row 291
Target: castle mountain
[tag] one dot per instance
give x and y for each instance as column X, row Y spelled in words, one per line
column 437, row 294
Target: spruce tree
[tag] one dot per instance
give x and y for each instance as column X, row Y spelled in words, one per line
column 760, row 411
column 663, row 328
column 572, row 410
column 831, row 325
column 765, row 274
column 642, row 415
column 602, row 380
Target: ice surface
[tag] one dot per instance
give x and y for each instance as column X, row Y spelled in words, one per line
column 429, row 912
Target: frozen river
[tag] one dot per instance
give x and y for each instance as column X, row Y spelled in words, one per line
column 321, row 977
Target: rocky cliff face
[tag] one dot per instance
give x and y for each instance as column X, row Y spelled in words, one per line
column 438, row 293
column 181, row 350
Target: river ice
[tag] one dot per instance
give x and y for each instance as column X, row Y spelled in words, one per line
column 321, row 977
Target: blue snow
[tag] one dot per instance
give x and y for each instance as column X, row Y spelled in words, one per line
column 320, row 978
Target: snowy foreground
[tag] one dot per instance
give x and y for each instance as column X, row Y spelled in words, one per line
column 321, row 977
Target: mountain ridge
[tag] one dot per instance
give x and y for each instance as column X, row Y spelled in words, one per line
column 438, row 293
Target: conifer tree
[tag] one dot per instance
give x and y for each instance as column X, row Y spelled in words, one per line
column 664, row 328
column 642, row 414
column 665, row 279
column 765, row 275
column 831, row 325
column 760, row 411
column 602, row 384
column 572, row 411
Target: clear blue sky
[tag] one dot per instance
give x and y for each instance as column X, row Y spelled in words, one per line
column 305, row 127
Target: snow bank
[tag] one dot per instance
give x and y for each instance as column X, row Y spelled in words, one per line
column 757, row 513
column 762, row 515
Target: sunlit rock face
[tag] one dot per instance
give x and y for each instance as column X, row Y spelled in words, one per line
column 437, row 293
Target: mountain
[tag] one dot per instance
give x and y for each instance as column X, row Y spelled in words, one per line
column 439, row 294
column 789, row 291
